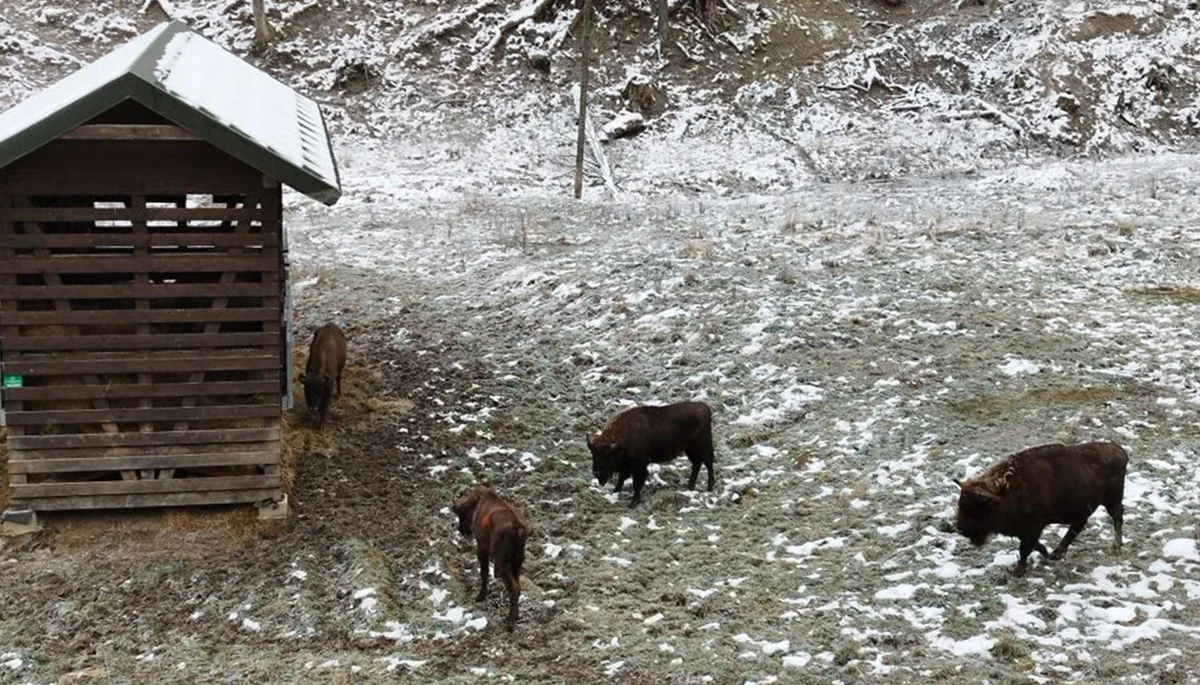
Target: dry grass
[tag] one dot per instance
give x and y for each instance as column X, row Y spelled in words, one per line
column 169, row 533
column 357, row 404
column 990, row 406
column 1184, row 294
column 698, row 249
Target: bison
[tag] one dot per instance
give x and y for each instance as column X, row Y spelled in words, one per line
column 322, row 378
column 640, row 435
column 501, row 530
column 1025, row 492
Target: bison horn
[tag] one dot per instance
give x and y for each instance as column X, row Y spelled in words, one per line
column 957, row 482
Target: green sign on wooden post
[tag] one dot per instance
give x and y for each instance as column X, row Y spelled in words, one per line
column 12, row 380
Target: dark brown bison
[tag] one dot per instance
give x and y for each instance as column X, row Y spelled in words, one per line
column 1025, row 492
column 501, row 530
column 322, row 378
column 640, row 435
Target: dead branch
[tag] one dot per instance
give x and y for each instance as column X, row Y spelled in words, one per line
column 561, row 37
column 439, row 27
column 1004, row 119
column 514, row 20
column 593, row 142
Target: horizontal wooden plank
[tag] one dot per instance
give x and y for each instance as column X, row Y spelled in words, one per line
column 49, row 215
column 92, row 264
column 151, row 461
column 272, row 447
column 117, row 316
column 157, row 238
column 180, row 341
column 206, row 362
column 123, row 291
column 103, row 440
column 176, row 499
column 142, row 487
column 205, row 413
column 129, row 132
column 141, row 390
column 155, row 167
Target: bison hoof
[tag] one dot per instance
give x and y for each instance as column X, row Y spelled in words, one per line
column 634, row 503
column 1056, row 555
column 1019, row 570
column 480, row 597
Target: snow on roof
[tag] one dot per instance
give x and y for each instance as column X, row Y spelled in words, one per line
column 209, row 91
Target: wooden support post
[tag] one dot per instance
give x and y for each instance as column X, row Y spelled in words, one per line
column 141, row 278
column 584, row 57
column 10, row 332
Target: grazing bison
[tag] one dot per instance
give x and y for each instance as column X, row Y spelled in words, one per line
column 640, row 435
column 322, row 378
column 501, row 530
column 1025, row 492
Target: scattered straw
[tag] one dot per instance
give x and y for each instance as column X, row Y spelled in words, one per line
column 1188, row 294
column 989, row 406
column 356, row 405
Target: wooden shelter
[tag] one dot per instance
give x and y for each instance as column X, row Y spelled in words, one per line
column 144, row 309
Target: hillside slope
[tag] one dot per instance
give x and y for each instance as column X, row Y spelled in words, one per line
column 764, row 97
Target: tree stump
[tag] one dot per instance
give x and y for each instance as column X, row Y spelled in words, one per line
column 643, row 96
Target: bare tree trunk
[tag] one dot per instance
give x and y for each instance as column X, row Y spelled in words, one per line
column 262, row 32
column 585, row 49
column 663, row 12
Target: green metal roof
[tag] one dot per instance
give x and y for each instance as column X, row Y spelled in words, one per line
column 203, row 88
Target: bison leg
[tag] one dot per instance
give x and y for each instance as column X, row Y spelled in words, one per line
column 1069, row 537
column 324, row 408
column 1028, row 545
column 702, row 454
column 513, row 586
column 695, row 473
column 621, row 476
column 639, row 479
column 1116, row 511
column 483, row 575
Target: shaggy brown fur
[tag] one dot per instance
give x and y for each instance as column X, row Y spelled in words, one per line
column 322, row 378
column 1025, row 492
column 501, row 530
column 641, row 435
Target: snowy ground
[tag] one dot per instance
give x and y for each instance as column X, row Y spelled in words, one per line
column 861, row 344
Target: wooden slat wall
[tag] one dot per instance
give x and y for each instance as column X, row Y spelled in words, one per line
column 147, row 330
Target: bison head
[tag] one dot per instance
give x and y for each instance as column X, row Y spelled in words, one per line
column 604, row 458
column 976, row 511
column 464, row 509
column 312, row 391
